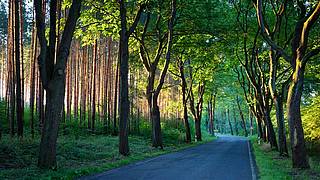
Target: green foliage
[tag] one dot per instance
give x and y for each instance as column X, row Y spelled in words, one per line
column 311, row 121
column 3, row 22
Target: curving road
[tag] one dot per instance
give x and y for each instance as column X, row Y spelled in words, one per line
column 228, row 157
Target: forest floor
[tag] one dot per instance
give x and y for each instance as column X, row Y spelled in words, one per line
column 271, row 166
column 79, row 156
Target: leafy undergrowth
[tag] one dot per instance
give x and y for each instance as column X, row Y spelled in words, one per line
column 271, row 166
column 78, row 156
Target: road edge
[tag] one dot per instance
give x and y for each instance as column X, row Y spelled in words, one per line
column 252, row 162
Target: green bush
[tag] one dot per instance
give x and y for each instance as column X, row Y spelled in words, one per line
column 311, row 121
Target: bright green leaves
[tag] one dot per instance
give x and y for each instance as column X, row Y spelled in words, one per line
column 98, row 19
column 311, row 121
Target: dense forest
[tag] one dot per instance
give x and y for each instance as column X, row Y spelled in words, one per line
column 82, row 76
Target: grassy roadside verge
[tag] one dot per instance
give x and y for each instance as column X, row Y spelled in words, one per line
column 79, row 156
column 271, row 166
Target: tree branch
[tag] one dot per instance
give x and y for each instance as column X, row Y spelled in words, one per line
column 136, row 19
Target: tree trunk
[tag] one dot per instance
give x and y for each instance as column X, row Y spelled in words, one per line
column 251, row 122
column 298, row 148
column 124, row 68
column 21, row 57
column 94, row 77
column 235, row 121
column 242, row 118
column 270, row 130
column 156, row 126
column 53, row 79
column 83, row 97
column 197, row 123
column 33, row 56
column 76, row 80
column 68, row 76
column 109, row 89
column 184, row 103
column 230, row 125
column 54, row 109
column 11, row 77
column 213, row 109
column 115, row 102
column 18, row 66
column 278, row 103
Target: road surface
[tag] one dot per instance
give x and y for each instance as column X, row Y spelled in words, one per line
column 228, row 157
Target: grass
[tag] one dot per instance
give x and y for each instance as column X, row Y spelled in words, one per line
column 271, row 166
column 79, row 156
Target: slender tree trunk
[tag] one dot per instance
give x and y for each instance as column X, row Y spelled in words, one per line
column 21, row 57
column 270, row 130
column 213, row 109
column 89, row 89
column 278, row 103
column 68, row 87
column 94, row 77
column 242, row 118
column 33, row 56
column 84, row 85
column 10, row 81
column 109, row 89
column 185, row 102
column 235, row 121
column 283, row 150
column 18, row 70
column 115, row 100
column 76, row 80
column 210, row 126
column 229, row 121
column 251, row 122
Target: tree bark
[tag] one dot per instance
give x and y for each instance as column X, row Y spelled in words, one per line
column 185, row 102
column 33, row 56
column 21, row 58
column 115, row 100
column 298, row 148
column 94, row 77
column 11, row 77
column 18, row 66
column 124, row 68
column 242, row 117
column 229, row 121
column 53, row 80
column 197, row 110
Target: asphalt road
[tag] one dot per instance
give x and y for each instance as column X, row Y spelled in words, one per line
column 228, row 157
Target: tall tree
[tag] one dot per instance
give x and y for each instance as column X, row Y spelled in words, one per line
column 185, row 93
column 52, row 75
column 301, row 54
column 125, row 33
column 32, row 82
column 152, row 66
